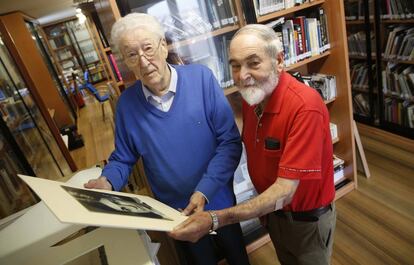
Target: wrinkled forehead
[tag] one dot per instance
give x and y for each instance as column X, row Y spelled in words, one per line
column 245, row 46
column 138, row 37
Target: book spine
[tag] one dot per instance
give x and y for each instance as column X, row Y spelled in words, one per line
column 115, row 67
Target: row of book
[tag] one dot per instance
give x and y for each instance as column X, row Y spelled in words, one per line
column 206, row 17
column 301, row 36
column 357, row 44
column 397, row 9
column 390, row 9
column 263, row 7
column 354, row 9
column 114, row 67
column 361, row 104
column 359, row 75
column 338, row 164
column 399, row 112
column 400, row 43
column 324, row 84
column 398, row 81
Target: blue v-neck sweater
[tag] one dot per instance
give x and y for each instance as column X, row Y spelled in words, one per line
column 195, row 146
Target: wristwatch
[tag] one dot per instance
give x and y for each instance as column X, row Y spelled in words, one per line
column 215, row 221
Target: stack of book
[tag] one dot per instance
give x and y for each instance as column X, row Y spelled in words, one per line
column 263, row 7
column 359, row 75
column 397, row 9
column 302, row 37
column 324, row 84
column 399, row 112
column 400, row 43
column 357, row 44
column 361, row 104
column 338, row 164
column 398, row 81
column 355, row 9
column 398, row 88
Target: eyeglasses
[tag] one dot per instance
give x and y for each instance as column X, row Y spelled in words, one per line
column 148, row 51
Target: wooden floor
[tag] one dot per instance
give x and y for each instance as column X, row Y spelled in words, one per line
column 97, row 134
column 375, row 223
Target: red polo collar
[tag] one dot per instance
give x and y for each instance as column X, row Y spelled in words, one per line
column 276, row 99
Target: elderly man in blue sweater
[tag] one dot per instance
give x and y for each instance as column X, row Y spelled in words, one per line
column 178, row 120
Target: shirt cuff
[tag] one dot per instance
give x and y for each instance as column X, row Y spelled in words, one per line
column 205, row 197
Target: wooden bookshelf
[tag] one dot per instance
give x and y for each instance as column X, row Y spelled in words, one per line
column 397, row 21
column 230, row 90
column 357, row 22
column 288, row 11
column 398, row 61
column 327, row 102
column 360, row 57
column 307, row 61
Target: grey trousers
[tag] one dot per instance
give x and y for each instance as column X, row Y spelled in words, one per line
column 303, row 243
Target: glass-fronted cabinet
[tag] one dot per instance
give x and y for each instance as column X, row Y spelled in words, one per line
column 41, row 45
column 24, row 121
column 74, row 50
column 14, row 194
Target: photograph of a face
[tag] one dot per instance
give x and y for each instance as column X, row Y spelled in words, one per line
column 114, row 204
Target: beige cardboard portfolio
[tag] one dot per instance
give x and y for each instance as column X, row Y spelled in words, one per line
column 104, row 208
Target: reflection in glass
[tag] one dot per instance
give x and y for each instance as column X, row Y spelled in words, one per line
column 24, row 120
column 48, row 59
column 82, row 39
column 14, row 194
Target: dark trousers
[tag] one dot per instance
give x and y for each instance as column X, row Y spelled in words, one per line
column 228, row 243
column 303, row 242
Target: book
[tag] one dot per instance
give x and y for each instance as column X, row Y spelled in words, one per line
column 114, row 67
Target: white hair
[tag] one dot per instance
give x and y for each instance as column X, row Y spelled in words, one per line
column 133, row 21
column 273, row 44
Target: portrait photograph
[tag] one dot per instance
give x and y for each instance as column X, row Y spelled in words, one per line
column 74, row 204
column 113, row 204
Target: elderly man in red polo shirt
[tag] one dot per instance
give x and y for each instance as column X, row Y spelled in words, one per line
column 289, row 155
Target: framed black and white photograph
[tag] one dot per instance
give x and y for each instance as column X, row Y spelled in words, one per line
column 113, row 204
column 92, row 207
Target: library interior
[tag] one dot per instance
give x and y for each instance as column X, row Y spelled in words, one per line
column 77, row 103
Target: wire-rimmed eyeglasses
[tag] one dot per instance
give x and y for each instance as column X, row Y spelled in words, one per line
column 148, row 51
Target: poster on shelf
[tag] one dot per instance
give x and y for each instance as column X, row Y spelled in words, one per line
column 104, row 208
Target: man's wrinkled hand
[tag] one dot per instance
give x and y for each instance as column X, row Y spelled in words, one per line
column 193, row 228
column 99, row 183
column 197, row 202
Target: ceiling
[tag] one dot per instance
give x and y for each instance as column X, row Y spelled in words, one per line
column 43, row 10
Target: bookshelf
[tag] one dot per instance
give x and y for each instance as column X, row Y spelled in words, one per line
column 331, row 61
column 391, row 93
column 73, row 49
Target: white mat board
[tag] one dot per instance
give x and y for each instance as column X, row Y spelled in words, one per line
column 95, row 207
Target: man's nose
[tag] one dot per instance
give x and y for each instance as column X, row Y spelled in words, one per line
column 143, row 61
column 244, row 74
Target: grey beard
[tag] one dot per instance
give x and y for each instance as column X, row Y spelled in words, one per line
column 258, row 91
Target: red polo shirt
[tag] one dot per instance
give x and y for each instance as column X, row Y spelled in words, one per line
column 297, row 118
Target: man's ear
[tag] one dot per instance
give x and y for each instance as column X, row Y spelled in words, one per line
column 280, row 63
